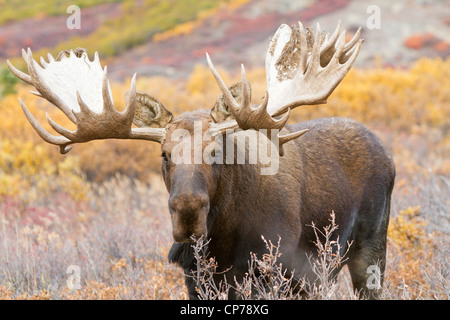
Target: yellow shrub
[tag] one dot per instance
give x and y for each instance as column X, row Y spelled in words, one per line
column 409, row 246
column 392, row 98
column 29, row 167
column 407, row 230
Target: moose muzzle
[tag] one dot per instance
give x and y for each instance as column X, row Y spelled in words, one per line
column 188, row 212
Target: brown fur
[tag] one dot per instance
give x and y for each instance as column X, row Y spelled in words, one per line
column 339, row 165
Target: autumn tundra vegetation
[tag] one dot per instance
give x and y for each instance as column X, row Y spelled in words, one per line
column 103, row 206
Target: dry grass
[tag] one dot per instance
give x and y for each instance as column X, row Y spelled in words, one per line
column 119, row 239
column 120, row 235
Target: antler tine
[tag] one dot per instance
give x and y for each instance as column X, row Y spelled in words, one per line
column 325, row 68
column 108, row 105
column 84, row 108
column 223, row 88
column 71, row 135
column 291, row 136
column 50, row 57
column 153, row 134
column 315, row 54
column 352, row 55
column 222, row 127
column 130, row 108
column 350, row 46
column 45, row 91
column 303, row 53
column 61, row 141
column 332, row 40
column 273, row 123
column 340, row 47
column 243, row 112
column 246, row 98
column 43, row 62
column 288, row 137
column 19, row 74
column 328, row 48
column 256, row 118
column 248, row 117
column 353, row 41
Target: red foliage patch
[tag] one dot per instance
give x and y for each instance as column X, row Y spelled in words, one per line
column 419, row 41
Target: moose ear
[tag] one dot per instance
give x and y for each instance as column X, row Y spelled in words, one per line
column 221, row 111
column 150, row 112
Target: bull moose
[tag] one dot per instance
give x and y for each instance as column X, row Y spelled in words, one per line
column 337, row 165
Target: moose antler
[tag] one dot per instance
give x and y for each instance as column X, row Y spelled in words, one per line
column 301, row 68
column 248, row 116
column 80, row 89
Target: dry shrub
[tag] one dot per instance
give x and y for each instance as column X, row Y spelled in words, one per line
column 268, row 279
column 417, row 267
column 118, row 237
column 412, row 250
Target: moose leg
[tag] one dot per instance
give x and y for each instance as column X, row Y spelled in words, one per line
column 367, row 269
column 368, row 259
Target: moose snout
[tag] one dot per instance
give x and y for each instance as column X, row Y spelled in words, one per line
column 188, row 212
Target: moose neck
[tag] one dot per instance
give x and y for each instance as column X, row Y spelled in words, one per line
column 246, row 200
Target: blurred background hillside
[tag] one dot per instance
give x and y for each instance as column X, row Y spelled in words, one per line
column 170, row 37
column 103, row 206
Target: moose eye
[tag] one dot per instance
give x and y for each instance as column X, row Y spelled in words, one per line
column 164, row 156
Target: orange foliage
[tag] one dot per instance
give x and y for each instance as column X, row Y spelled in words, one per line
column 418, row 41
